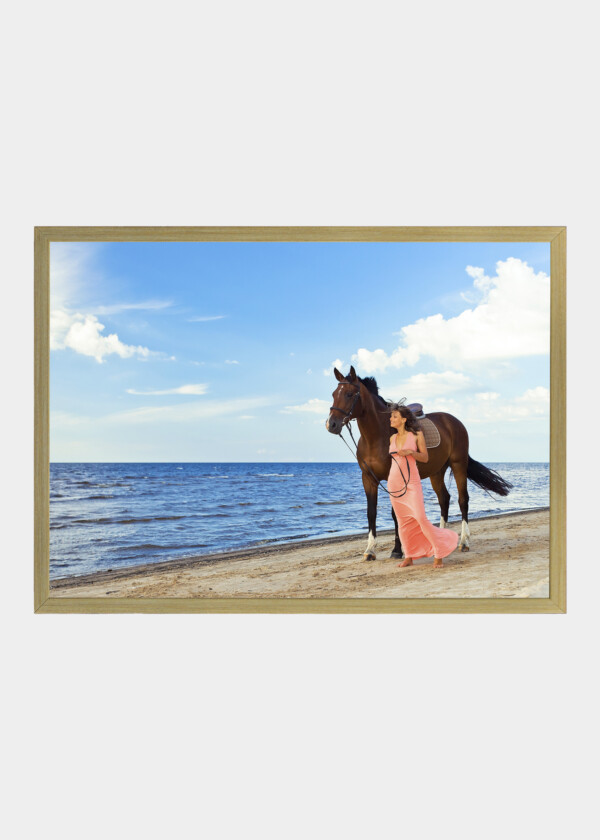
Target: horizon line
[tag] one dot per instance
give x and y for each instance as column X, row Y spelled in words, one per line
column 260, row 462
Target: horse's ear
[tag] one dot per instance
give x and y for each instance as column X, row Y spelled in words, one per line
column 338, row 375
column 352, row 375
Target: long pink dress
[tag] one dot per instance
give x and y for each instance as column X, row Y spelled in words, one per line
column 418, row 536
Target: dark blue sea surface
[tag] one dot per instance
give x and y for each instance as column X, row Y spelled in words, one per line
column 108, row 516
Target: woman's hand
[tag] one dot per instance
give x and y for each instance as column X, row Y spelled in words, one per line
column 420, row 454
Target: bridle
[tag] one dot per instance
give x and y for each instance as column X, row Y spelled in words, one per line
column 347, row 413
column 347, row 419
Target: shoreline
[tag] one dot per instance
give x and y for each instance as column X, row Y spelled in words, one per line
column 509, row 556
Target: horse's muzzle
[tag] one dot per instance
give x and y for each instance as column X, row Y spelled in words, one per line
column 334, row 424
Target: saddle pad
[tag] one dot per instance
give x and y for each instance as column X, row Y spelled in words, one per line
column 430, row 433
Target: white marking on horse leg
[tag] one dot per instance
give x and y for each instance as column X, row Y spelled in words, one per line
column 465, row 534
column 371, row 544
column 443, row 522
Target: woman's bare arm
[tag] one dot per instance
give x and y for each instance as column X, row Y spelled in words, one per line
column 421, row 454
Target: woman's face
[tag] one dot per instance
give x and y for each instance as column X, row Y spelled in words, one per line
column 396, row 420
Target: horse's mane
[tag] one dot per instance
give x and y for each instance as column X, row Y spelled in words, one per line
column 371, row 385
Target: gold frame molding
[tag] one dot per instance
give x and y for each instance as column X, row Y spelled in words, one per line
column 45, row 603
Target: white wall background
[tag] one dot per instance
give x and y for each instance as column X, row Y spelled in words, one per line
column 307, row 113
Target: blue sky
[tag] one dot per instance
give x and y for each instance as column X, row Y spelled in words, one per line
column 225, row 351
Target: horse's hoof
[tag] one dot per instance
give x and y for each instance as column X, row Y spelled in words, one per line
column 369, row 557
column 465, row 548
column 396, row 555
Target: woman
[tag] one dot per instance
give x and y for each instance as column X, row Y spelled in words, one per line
column 418, row 536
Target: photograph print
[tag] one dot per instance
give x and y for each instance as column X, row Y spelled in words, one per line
column 276, row 422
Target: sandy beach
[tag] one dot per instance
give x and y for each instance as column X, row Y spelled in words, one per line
column 508, row 558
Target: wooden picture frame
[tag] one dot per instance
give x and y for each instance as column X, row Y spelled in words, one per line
column 46, row 602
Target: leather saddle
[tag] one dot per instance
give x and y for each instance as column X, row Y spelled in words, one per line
column 427, row 426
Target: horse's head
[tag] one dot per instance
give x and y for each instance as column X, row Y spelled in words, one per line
column 346, row 401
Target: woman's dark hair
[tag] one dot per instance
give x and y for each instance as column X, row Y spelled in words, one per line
column 412, row 424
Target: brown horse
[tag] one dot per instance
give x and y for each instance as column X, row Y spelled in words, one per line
column 358, row 399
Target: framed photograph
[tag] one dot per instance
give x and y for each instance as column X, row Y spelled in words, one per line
column 309, row 420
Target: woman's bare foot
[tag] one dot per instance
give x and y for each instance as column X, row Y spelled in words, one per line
column 406, row 562
column 438, row 563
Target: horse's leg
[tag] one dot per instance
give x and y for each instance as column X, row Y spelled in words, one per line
column 397, row 549
column 371, row 494
column 459, row 468
column 441, row 491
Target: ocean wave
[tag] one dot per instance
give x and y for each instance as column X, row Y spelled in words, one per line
column 340, row 502
column 283, row 538
column 211, row 515
column 151, row 519
column 98, row 486
column 151, row 546
column 275, row 475
column 111, row 520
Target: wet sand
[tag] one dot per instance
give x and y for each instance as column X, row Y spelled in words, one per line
column 508, row 558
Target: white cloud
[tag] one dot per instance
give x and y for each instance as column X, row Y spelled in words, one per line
column 194, row 390
column 231, row 362
column 489, row 406
column 480, row 281
column 185, row 412
column 312, row 406
column 116, row 308
column 70, row 263
column 534, row 402
column 337, row 363
column 512, row 319
column 423, row 387
column 70, row 266
column 163, row 415
column 82, row 333
column 64, row 419
column 60, row 323
column 198, row 318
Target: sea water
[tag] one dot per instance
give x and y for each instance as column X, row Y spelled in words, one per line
column 109, row 516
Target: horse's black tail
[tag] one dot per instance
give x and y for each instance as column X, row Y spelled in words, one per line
column 487, row 479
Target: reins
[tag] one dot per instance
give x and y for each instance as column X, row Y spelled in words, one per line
column 396, row 494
